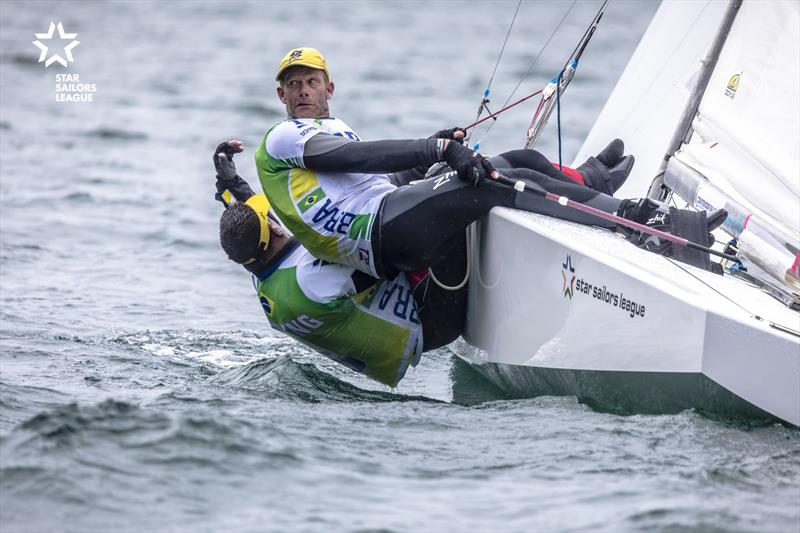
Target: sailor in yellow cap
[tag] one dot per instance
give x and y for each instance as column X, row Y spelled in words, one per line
column 378, row 327
column 372, row 326
column 340, row 197
column 353, row 279
column 305, row 84
column 306, row 57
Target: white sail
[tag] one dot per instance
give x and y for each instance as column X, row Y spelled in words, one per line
column 746, row 137
column 646, row 105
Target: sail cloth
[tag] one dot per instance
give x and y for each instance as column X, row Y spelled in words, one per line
column 646, row 105
column 746, row 138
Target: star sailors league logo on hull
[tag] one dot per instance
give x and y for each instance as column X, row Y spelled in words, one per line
column 568, row 272
column 51, row 50
column 597, row 291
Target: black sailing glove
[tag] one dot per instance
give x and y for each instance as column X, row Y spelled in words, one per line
column 647, row 212
column 227, row 178
column 449, row 134
column 685, row 223
column 470, row 166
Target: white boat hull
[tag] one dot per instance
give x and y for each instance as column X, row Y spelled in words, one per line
column 625, row 329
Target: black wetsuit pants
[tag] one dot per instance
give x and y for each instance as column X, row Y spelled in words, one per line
column 423, row 225
column 416, row 221
column 443, row 312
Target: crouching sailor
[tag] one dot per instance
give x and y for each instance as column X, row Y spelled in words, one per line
column 380, row 327
column 371, row 326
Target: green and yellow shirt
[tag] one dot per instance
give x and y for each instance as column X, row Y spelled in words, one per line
column 331, row 213
column 376, row 331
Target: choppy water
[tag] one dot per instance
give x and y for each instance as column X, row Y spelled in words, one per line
column 140, row 386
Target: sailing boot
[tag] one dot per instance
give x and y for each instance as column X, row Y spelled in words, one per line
column 611, row 154
column 606, row 178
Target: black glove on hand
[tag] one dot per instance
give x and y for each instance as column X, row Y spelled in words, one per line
column 227, row 178
column 470, row 166
column 226, row 170
column 647, row 212
column 449, row 134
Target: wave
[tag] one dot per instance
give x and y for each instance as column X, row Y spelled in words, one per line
column 24, row 60
column 470, row 387
column 65, row 424
column 284, row 378
column 116, row 134
column 118, row 424
column 79, row 197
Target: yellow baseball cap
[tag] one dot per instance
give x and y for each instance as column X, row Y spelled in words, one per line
column 307, row 57
column 260, row 204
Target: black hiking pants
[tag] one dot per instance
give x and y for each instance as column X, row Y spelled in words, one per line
column 424, row 225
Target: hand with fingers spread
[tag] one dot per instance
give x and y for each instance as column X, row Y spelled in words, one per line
column 227, row 178
column 223, row 159
column 470, row 166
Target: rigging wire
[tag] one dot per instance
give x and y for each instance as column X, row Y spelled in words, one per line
column 536, row 59
column 560, row 83
column 527, row 72
column 485, row 99
column 558, row 118
column 503, row 109
column 587, row 35
column 714, row 289
column 499, row 57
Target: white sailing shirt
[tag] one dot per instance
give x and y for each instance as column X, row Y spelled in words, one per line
column 331, row 213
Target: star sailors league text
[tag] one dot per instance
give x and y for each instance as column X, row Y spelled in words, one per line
column 52, row 50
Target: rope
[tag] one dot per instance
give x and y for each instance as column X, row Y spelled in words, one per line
column 734, row 302
column 530, row 68
column 572, row 64
column 527, row 72
column 466, row 274
column 558, row 118
column 485, row 99
column 502, row 49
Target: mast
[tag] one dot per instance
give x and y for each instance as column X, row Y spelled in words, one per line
column 682, row 133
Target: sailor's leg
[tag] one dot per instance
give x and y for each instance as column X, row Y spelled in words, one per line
column 605, row 173
column 443, row 312
column 405, row 177
column 417, row 220
column 573, row 191
column 530, row 159
column 533, row 160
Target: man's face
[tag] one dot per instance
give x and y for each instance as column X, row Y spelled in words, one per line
column 305, row 92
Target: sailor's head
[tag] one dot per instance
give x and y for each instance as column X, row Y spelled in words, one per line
column 304, row 83
column 246, row 230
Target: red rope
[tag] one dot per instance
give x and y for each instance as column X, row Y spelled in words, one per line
column 509, row 106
